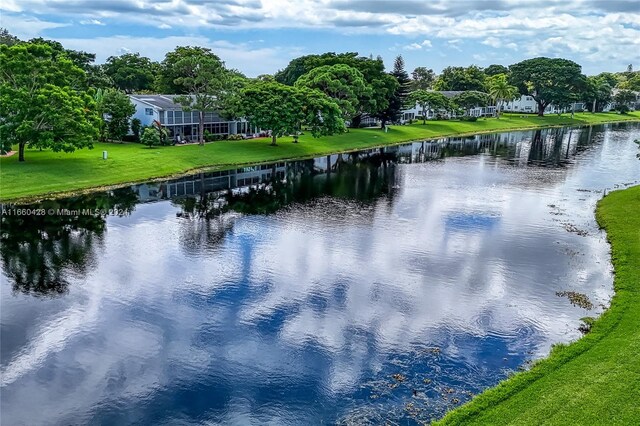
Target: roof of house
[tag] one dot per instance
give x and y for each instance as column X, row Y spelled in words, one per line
column 449, row 93
column 161, row 102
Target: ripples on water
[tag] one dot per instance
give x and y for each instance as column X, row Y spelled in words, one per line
column 387, row 286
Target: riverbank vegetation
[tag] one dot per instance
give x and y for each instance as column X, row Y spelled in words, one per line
column 596, row 379
column 48, row 172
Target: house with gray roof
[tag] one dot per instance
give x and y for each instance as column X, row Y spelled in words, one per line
column 183, row 125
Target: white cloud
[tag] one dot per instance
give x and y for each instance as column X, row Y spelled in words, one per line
column 91, row 22
column 544, row 27
column 26, row 27
column 426, row 44
column 493, row 42
column 250, row 60
column 412, row 46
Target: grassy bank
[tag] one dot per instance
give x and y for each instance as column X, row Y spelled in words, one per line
column 596, row 380
column 45, row 173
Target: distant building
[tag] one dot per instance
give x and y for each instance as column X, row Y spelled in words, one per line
column 527, row 104
column 633, row 105
column 479, row 111
column 182, row 124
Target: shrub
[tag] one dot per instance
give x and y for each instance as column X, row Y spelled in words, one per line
column 622, row 109
column 468, row 118
column 150, row 137
column 235, row 137
column 136, row 125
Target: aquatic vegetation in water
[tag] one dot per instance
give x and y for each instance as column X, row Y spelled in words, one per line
column 569, row 227
column 398, row 377
column 434, row 350
column 587, row 323
column 577, row 299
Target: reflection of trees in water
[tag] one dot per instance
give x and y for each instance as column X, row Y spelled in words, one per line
column 361, row 179
column 39, row 251
column 545, row 147
column 555, row 147
column 352, row 177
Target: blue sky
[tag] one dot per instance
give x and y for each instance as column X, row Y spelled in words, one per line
column 261, row 36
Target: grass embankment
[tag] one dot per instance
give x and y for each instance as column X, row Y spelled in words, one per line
column 596, row 380
column 45, row 173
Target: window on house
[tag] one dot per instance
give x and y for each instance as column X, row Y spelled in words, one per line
column 148, row 111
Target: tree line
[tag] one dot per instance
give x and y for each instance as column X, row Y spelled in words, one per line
column 57, row 98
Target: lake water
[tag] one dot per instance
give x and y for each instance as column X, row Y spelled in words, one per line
column 387, row 285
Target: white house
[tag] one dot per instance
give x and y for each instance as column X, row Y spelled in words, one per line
column 633, row 105
column 182, row 124
column 416, row 111
column 527, row 104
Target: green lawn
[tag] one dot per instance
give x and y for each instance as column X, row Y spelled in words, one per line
column 596, row 380
column 45, row 173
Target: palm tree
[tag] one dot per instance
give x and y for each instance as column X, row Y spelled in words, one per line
column 501, row 91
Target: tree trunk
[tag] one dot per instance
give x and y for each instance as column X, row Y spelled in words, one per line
column 274, row 139
column 498, row 109
column 594, row 106
column 21, row 151
column 541, row 108
column 424, row 117
column 201, row 126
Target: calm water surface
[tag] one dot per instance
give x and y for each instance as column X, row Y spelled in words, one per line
column 381, row 286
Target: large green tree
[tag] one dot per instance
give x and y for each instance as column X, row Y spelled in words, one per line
column 428, row 100
column 284, row 109
column 597, row 93
column 547, row 80
column 230, row 95
column 471, row 99
column 199, row 76
column 116, row 110
column 382, row 85
column 131, row 72
column 39, row 103
column 623, row 98
column 398, row 99
column 343, row 83
column 422, row 78
column 501, row 91
column 629, row 81
column 495, row 69
column 461, row 78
